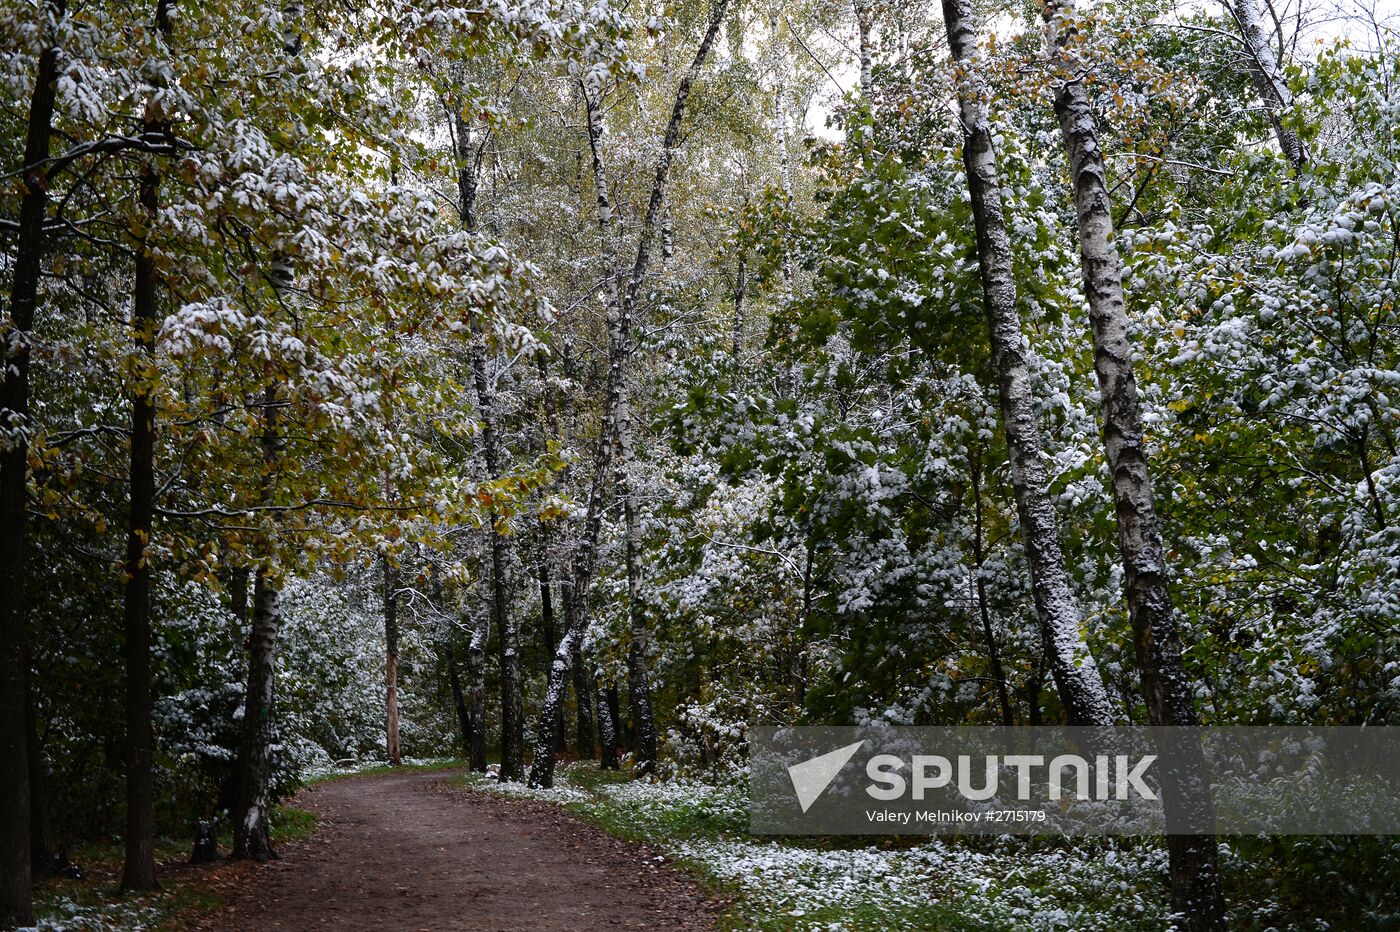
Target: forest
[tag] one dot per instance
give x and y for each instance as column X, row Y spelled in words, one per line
column 566, row 387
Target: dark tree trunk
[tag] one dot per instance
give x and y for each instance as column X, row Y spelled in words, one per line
column 1195, row 875
column 607, row 727
column 512, row 713
column 1076, row 674
column 139, row 868
column 741, row 291
column 547, row 630
column 993, row 653
column 512, row 703
column 583, row 687
column 251, row 831
column 41, row 848
column 237, row 585
column 620, row 311
column 139, row 872
column 391, row 661
column 16, row 899
column 459, row 701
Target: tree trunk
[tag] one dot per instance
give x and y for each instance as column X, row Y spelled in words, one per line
column 620, row 312
column 512, row 702
column 1075, row 673
column 638, row 680
column 237, row 585
column 459, row 701
column 391, row 661
column 476, row 692
column 251, row 831
column 741, row 291
column 668, row 245
column 547, row 626
column 139, row 870
column 583, row 688
column 139, row 867
column 583, row 692
column 608, row 727
column 866, row 48
column 993, row 654
column 549, row 421
column 1268, row 78
column 512, row 714
column 16, row 899
column 1196, row 892
column 41, row 848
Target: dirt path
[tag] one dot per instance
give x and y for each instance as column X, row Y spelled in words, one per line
column 411, row 852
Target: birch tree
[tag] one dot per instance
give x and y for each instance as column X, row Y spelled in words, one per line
column 1072, row 666
column 1269, row 79
column 1196, row 891
column 622, row 305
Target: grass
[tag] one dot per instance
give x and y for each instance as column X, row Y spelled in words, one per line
column 97, row 902
column 412, row 766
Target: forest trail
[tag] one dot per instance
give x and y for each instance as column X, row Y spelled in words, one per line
column 411, row 851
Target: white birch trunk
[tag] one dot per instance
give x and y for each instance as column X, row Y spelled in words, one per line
column 638, row 681
column 1268, row 78
column 1075, row 673
column 621, row 308
column 866, row 47
column 1196, row 892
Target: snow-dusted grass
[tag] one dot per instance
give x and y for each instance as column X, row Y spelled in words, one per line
column 340, row 770
column 93, row 903
column 895, row 883
column 67, row 915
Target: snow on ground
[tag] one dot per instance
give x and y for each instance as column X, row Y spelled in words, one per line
column 810, row 884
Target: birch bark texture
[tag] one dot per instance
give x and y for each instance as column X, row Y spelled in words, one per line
column 1196, row 892
column 476, row 690
column 1073, row 668
column 865, row 45
column 638, row 681
column 1268, row 78
column 620, row 313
